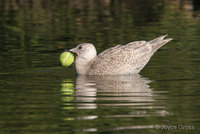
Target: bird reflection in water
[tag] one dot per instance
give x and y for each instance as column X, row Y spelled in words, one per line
column 130, row 92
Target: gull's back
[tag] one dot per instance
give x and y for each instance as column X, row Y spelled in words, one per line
column 126, row 59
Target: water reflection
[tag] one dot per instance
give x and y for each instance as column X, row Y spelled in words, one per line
column 131, row 93
column 126, row 89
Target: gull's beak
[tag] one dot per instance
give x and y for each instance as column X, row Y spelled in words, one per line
column 73, row 50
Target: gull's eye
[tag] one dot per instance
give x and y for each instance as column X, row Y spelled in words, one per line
column 80, row 47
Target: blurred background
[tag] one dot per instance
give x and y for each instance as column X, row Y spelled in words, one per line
column 35, row 91
column 33, row 30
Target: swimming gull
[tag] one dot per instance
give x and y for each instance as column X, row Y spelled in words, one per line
column 118, row 60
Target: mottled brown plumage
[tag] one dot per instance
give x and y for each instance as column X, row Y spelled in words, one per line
column 118, row 60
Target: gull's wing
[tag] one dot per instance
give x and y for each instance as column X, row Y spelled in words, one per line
column 125, row 59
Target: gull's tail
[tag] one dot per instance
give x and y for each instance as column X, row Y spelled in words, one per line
column 159, row 42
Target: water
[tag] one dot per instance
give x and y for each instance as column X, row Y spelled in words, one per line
column 37, row 95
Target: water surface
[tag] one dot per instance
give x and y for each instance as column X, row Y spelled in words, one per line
column 37, row 95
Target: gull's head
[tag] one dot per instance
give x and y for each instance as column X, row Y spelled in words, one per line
column 85, row 51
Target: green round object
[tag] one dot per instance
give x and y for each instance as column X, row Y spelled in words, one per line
column 66, row 59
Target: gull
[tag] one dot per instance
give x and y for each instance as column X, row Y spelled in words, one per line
column 119, row 60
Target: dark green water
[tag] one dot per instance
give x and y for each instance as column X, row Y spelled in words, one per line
column 37, row 95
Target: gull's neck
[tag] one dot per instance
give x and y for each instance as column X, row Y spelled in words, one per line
column 83, row 64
